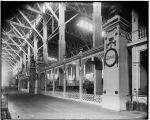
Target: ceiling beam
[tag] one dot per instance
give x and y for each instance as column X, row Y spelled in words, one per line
column 53, row 13
column 21, row 49
column 52, row 36
column 12, row 55
column 34, row 10
column 5, row 48
column 12, row 35
column 30, row 24
column 71, row 18
column 21, row 25
column 52, row 33
column 39, row 47
column 39, row 6
column 13, row 50
column 10, row 59
column 21, row 35
column 7, row 43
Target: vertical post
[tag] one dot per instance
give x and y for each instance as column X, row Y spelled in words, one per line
column 53, row 24
column 62, row 42
column 18, row 84
column 84, row 68
column 71, row 71
column 28, row 87
column 35, row 59
column 97, row 25
column 94, row 70
column 135, row 71
column 24, row 61
column 77, row 71
column 64, row 75
column 53, row 80
column 36, row 87
column 45, row 50
column 21, row 63
column 28, row 68
column 64, row 80
column 29, row 56
column 135, row 20
column 45, row 81
column 35, row 47
column 81, row 74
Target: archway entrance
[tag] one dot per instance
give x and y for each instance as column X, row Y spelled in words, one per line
column 92, row 80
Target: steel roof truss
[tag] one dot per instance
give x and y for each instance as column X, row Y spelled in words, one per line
column 30, row 24
column 21, row 35
column 16, row 44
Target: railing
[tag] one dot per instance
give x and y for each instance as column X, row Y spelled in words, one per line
column 58, row 93
column 92, row 98
column 74, row 95
column 142, row 33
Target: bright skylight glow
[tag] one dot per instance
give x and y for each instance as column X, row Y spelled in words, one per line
column 88, row 26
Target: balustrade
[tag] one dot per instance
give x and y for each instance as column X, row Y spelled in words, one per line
column 142, row 33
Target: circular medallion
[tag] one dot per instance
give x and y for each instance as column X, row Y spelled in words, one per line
column 111, row 57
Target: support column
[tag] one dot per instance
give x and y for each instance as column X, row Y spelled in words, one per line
column 116, row 82
column 97, row 25
column 64, row 80
column 84, row 68
column 94, row 79
column 62, row 42
column 135, row 20
column 35, row 52
column 29, row 52
column 35, row 47
column 45, row 81
column 135, row 73
column 53, row 80
column 18, row 84
column 77, row 71
column 53, row 24
column 81, row 76
column 136, row 70
column 20, row 62
column 36, row 87
column 45, row 46
column 28, row 68
column 28, row 86
column 24, row 62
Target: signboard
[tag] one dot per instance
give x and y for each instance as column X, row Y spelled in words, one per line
column 111, row 57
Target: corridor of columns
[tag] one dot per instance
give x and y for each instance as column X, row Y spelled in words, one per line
column 60, row 59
